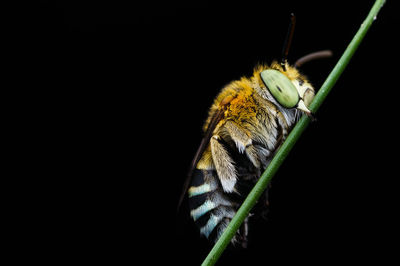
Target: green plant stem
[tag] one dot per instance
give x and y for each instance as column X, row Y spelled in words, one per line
column 294, row 135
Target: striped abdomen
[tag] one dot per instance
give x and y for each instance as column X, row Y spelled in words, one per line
column 211, row 207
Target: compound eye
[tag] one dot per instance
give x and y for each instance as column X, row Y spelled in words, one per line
column 281, row 88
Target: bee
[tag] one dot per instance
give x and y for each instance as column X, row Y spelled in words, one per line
column 247, row 122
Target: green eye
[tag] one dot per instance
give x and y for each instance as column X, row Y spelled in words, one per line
column 280, row 87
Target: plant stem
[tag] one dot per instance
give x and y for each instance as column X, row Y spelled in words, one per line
column 294, row 135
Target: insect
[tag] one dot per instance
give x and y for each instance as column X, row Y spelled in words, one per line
column 248, row 121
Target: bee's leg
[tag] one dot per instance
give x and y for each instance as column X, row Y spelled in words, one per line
column 266, row 195
column 223, row 164
column 265, row 207
column 243, row 142
column 244, row 232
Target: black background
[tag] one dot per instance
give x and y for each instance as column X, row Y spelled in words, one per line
column 124, row 89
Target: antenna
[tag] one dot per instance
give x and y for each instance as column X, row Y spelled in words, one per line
column 313, row 56
column 288, row 40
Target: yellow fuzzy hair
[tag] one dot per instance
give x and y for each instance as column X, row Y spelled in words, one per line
column 241, row 90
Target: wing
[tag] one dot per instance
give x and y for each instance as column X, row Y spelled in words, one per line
column 217, row 116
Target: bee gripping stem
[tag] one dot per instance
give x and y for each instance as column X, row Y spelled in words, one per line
column 288, row 144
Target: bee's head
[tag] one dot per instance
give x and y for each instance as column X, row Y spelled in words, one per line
column 288, row 93
column 282, row 80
